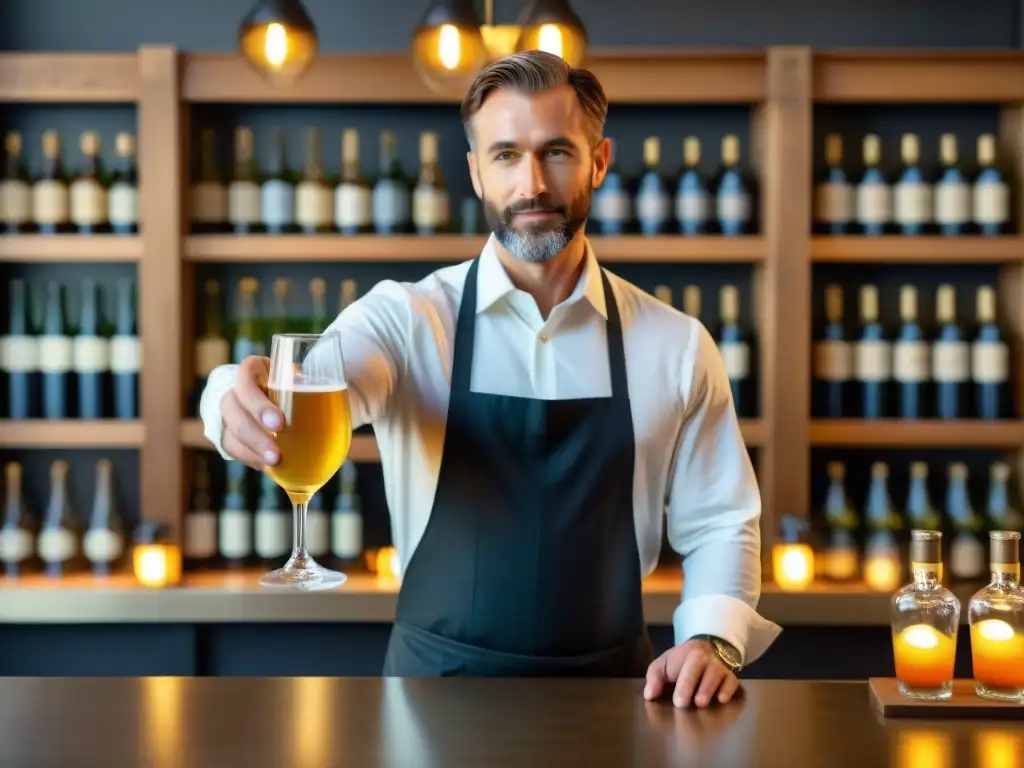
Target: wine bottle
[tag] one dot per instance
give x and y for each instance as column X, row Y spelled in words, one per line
column 693, row 203
column 882, row 560
column 123, row 195
column 244, row 204
column 692, row 301
column 199, row 538
column 318, row 319
column 431, row 205
column 103, row 543
column 91, row 353
column 872, row 358
column 732, row 191
column 58, row 542
column 833, row 357
column 318, row 528
column 991, row 210
column 841, row 556
column 248, row 340
column 280, row 320
column 951, row 357
column 209, row 195
column 874, row 194
column 50, row 191
column 212, row 348
column 663, row 294
column 349, row 294
column 56, row 354
column 612, row 207
column 735, row 350
column 990, row 359
column 17, row 528
column 347, row 519
column 353, row 209
column 1000, row 512
column 391, row 199
column 912, row 195
column 272, row 525
column 652, row 199
column 911, row 357
column 19, row 354
column 921, row 513
column 87, row 195
column 314, row 199
column 235, row 523
column 15, row 189
column 967, row 551
column 125, row 352
column 833, row 196
column 952, row 192
column 277, row 195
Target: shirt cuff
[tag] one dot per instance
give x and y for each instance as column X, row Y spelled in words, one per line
column 217, row 385
column 730, row 619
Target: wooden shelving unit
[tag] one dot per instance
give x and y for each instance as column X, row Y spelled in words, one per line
column 899, row 433
column 72, row 433
column 94, row 248
column 918, row 250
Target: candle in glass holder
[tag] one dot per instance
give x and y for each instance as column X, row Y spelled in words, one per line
column 924, row 656
column 996, row 616
column 792, row 557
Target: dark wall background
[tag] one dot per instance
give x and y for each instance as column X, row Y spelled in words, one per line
column 385, row 25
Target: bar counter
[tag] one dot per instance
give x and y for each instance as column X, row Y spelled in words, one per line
column 453, row 722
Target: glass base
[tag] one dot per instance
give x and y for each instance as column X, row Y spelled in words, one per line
column 303, row 572
column 998, row 693
column 940, row 693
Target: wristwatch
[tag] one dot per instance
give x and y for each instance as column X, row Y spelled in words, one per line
column 726, row 651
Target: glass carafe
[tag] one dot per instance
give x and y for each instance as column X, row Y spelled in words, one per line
column 996, row 616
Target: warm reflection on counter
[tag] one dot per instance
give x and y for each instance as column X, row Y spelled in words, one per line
column 162, row 718
column 923, row 749
column 995, row 748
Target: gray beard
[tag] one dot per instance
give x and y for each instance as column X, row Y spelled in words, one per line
column 536, row 248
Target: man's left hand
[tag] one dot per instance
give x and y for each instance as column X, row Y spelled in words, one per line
column 696, row 673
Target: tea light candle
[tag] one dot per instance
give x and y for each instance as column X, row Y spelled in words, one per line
column 924, row 656
column 792, row 557
column 882, row 571
column 997, row 654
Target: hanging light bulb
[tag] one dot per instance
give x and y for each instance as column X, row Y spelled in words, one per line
column 552, row 26
column 278, row 38
column 448, row 49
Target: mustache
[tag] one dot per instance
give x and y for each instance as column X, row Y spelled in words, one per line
column 536, row 205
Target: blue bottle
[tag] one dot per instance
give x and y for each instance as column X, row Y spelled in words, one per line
column 874, row 193
column 653, row 203
column 1001, row 514
column 872, row 357
column 912, row 195
column 833, row 195
column 91, row 353
column 990, row 359
column 56, row 354
column 921, row 513
column 968, row 554
column 19, row 355
column 235, row 521
column 734, row 348
column 911, row 357
column 612, row 209
column 991, row 212
column 951, row 357
column 882, row 558
column 125, row 352
column 842, row 560
column 952, row 192
column 733, row 204
column 693, row 202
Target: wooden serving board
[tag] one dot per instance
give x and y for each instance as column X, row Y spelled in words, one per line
column 964, row 703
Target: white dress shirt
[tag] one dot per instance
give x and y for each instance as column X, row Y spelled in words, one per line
column 691, row 463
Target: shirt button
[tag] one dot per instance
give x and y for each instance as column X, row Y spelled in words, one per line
column 543, row 338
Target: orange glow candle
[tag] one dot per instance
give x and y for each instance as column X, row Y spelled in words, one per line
column 997, row 654
column 924, row 657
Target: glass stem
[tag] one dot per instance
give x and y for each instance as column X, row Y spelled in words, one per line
column 299, row 532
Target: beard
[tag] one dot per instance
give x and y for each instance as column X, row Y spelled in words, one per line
column 540, row 241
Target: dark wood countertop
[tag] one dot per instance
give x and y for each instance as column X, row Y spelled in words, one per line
column 455, row 722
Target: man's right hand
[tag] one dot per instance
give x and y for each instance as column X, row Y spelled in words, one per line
column 248, row 414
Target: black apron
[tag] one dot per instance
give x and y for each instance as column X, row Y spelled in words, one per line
column 529, row 564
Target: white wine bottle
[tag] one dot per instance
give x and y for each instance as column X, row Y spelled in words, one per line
column 103, row 543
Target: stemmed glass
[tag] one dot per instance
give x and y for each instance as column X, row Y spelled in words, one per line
column 307, row 383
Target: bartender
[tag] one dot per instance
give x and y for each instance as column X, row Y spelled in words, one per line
column 539, row 420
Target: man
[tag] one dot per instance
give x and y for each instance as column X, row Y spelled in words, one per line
column 537, row 417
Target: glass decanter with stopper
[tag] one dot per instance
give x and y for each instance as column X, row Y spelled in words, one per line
column 996, row 616
column 925, row 618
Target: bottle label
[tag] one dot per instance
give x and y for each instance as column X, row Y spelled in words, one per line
column 431, row 208
column 951, row 361
column 235, row 533
column 912, row 203
column 612, row 205
column 873, row 361
column 50, row 202
column 874, row 204
column 390, row 204
column 833, row 202
column 990, row 362
column 733, row 206
column 736, row 356
column 833, row 360
column 125, row 354
column 272, row 533
column 352, row 206
column 911, row 361
column 244, row 202
column 318, row 533
column 91, row 354
column 88, row 202
column 211, row 352
column 200, row 535
column 102, row 546
column 209, row 202
column 313, row 205
column 991, row 202
column 19, row 354
column 347, row 535
column 56, row 354
column 952, row 203
column 967, row 557
column 15, row 545
column 56, row 545
column 15, row 201
column 123, row 201
column 652, row 206
column 692, row 205
column 277, row 198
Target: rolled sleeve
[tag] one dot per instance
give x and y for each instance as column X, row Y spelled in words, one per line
column 221, row 379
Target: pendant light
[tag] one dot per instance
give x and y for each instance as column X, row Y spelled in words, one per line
column 448, row 49
column 552, row 26
column 278, row 38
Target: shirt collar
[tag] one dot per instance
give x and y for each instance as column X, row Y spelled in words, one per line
column 493, row 282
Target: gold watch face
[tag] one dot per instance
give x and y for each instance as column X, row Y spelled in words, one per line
column 729, row 654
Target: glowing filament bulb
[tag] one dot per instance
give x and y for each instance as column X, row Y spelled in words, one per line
column 549, row 39
column 276, row 44
column 449, row 46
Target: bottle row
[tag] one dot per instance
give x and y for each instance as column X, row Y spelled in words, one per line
column 63, row 367
column 948, row 200
column 949, row 374
column 53, row 201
